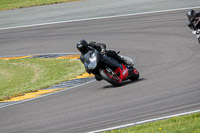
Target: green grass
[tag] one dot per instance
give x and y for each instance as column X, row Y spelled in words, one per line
column 182, row 124
column 13, row 4
column 20, row 76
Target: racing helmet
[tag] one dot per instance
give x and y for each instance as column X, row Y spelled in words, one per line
column 82, row 46
column 191, row 14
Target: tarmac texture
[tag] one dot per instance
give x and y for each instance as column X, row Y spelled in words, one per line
column 166, row 54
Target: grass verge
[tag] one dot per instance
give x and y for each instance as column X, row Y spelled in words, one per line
column 21, row 76
column 181, row 124
column 13, row 4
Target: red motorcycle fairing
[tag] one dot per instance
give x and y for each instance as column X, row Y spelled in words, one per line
column 122, row 73
column 135, row 71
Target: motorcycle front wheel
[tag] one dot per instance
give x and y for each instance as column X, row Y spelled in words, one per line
column 113, row 79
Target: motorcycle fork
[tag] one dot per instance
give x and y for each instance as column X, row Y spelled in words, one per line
column 110, row 71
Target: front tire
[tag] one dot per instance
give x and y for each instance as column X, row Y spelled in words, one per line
column 113, row 79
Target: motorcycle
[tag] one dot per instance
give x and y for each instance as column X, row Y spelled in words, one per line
column 198, row 30
column 198, row 35
column 99, row 65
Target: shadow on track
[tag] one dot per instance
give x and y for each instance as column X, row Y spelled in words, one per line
column 125, row 83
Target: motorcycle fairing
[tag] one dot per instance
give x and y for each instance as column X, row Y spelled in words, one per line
column 111, row 62
column 122, row 73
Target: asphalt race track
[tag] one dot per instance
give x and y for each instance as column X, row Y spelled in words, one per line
column 166, row 54
column 84, row 9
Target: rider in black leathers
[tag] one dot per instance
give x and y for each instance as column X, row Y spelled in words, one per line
column 83, row 47
column 193, row 21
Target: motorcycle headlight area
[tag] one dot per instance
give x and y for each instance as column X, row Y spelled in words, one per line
column 93, row 62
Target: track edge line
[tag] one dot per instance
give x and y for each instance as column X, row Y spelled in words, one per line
column 145, row 121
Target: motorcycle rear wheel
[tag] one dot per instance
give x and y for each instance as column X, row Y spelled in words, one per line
column 135, row 75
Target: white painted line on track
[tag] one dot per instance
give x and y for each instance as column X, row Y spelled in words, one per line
column 125, row 15
column 145, row 121
column 87, row 19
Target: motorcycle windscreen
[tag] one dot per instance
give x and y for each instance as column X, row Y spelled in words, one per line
column 90, row 60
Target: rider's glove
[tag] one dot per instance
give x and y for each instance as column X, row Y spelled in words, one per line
column 103, row 51
column 194, row 32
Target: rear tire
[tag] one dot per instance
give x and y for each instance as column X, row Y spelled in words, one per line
column 135, row 75
column 109, row 78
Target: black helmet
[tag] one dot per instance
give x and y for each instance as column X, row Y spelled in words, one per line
column 82, row 46
column 191, row 14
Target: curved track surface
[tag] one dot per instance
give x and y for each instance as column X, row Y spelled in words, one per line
column 166, row 54
column 87, row 9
